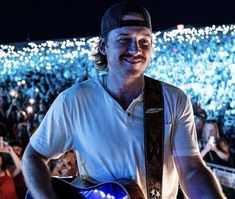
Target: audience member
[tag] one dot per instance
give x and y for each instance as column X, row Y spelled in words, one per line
column 19, row 181
column 215, row 149
column 8, row 172
column 199, row 122
column 21, row 129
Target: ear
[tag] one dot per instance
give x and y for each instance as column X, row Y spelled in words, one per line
column 102, row 47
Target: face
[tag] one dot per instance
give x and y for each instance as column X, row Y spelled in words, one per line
column 128, row 50
column 210, row 130
column 199, row 124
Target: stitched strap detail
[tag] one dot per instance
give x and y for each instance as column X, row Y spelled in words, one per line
column 154, row 137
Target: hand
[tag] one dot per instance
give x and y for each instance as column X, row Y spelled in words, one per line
column 214, row 148
column 5, row 147
column 209, row 146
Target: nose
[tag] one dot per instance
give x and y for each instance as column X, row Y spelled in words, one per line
column 134, row 47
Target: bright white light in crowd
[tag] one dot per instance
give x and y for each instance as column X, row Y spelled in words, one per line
column 51, row 55
column 13, row 93
column 36, row 90
column 48, row 67
column 19, row 83
column 31, row 101
column 29, row 109
column 180, row 26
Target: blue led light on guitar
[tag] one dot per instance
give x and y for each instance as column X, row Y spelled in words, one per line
column 105, row 191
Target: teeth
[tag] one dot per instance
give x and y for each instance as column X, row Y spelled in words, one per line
column 132, row 60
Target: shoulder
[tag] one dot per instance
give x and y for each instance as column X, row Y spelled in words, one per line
column 174, row 95
column 176, row 102
column 171, row 92
column 223, row 142
column 81, row 89
column 87, row 84
column 169, row 88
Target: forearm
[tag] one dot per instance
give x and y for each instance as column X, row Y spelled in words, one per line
column 196, row 180
column 204, row 152
column 201, row 183
column 17, row 163
column 37, row 176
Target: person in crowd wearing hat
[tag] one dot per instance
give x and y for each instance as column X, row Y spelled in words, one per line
column 102, row 120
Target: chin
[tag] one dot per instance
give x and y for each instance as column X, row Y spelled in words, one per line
column 135, row 74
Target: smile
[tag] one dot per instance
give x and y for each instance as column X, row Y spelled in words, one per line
column 134, row 61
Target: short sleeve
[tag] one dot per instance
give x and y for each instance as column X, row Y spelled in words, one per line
column 185, row 137
column 54, row 135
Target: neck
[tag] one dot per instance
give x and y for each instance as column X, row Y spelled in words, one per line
column 124, row 90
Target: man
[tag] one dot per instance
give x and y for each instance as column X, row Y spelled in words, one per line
column 102, row 119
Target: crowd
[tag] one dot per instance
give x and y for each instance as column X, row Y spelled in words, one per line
column 200, row 61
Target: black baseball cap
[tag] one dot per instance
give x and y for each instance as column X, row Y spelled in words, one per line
column 113, row 17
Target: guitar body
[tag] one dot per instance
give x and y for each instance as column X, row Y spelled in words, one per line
column 106, row 190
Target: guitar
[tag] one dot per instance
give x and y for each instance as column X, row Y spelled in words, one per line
column 106, row 190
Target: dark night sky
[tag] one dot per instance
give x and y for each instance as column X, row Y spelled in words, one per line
column 41, row 20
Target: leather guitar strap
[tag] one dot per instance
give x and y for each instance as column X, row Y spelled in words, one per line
column 154, row 137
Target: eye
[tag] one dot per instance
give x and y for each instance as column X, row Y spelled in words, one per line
column 145, row 42
column 123, row 40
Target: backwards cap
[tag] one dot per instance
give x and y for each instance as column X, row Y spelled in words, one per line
column 113, row 17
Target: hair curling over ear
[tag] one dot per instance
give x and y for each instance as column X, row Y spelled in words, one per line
column 100, row 58
column 102, row 46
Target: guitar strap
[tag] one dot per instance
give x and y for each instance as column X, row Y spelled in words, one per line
column 154, row 137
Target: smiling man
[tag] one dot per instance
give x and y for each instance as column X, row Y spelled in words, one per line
column 104, row 120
